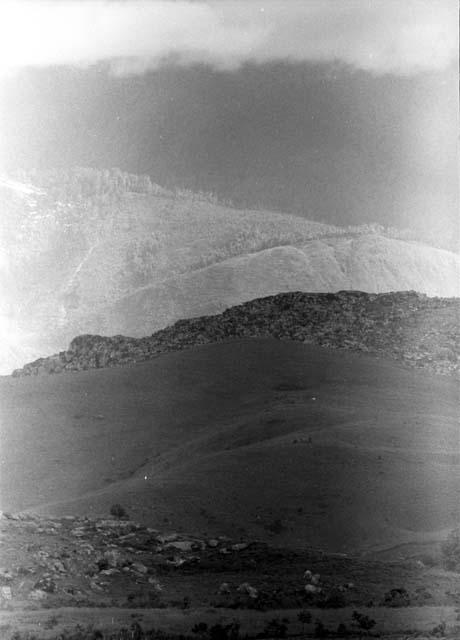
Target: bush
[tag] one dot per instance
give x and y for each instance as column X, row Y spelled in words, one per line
column 396, row 598
column 143, row 600
column 439, row 631
column 117, row 511
column 363, row 621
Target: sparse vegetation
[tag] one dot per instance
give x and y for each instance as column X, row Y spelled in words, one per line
column 396, row 598
column 276, row 526
column 321, row 631
column 304, row 617
column 144, row 599
column 363, row 622
column 117, row 511
column 276, row 628
column 451, row 550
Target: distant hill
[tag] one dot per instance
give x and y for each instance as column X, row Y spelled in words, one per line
column 269, row 439
column 106, row 252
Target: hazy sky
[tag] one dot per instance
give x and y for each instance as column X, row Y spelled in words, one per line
column 344, row 111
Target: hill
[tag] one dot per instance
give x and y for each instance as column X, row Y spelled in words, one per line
column 106, row 252
column 270, row 439
column 411, row 328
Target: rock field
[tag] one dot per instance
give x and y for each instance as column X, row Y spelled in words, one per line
column 80, row 561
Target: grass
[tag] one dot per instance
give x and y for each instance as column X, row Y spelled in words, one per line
column 156, row 436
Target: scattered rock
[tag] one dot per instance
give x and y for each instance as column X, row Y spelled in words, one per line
column 109, row 572
column 311, row 588
column 5, row 593
column 171, row 537
column 112, row 557
column 46, row 584
column 38, row 594
column 224, row 589
column 182, row 545
column 139, row 567
column 246, row 588
column 6, row 575
column 95, row 586
column 155, row 583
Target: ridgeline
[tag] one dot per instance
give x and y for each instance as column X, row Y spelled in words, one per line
column 406, row 326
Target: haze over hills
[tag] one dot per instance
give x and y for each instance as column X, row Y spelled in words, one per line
column 88, row 251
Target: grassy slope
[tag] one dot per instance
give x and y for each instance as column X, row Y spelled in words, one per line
column 205, row 438
column 370, row 263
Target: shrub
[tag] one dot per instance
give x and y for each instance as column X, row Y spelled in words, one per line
column 117, row 511
column 364, row 622
column 143, row 599
column 439, row 631
column 396, row 598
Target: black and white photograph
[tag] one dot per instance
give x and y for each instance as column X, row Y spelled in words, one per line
column 229, row 319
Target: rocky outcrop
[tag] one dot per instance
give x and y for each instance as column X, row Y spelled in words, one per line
column 406, row 326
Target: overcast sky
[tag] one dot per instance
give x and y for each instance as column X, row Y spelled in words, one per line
column 342, row 110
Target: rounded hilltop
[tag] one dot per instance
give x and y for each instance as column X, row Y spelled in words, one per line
column 407, row 326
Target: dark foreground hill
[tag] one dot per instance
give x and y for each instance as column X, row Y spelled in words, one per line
column 259, row 438
column 406, row 326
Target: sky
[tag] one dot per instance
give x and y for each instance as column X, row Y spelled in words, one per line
column 343, row 111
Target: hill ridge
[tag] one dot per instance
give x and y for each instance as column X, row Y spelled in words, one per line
column 406, row 326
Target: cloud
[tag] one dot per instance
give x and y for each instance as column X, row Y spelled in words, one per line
column 379, row 36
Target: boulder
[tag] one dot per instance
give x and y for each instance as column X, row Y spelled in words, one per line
column 38, row 594
column 181, row 545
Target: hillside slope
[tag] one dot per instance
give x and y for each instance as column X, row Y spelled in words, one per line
column 89, row 251
column 312, row 446
column 369, row 263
